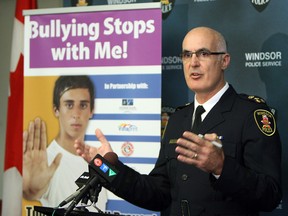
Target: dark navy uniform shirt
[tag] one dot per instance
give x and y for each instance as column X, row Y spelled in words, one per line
column 251, row 177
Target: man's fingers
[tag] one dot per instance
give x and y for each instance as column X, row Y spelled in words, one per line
column 79, row 146
column 25, row 137
column 35, row 138
column 37, row 133
column 101, row 136
column 214, row 139
column 186, row 159
column 86, row 153
column 105, row 145
column 210, row 137
column 190, row 141
column 30, row 137
column 196, row 138
column 43, row 136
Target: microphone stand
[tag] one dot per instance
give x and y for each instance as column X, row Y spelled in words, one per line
column 84, row 201
column 91, row 184
column 94, row 197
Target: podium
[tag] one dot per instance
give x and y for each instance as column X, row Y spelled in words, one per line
column 60, row 212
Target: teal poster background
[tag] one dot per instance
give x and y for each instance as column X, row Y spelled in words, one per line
column 257, row 36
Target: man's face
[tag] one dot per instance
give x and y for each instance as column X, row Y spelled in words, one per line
column 204, row 75
column 74, row 113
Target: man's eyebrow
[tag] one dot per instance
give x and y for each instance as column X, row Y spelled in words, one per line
column 202, row 48
column 69, row 101
column 72, row 101
column 84, row 101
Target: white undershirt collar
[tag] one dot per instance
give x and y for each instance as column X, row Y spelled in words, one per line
column 208, row 105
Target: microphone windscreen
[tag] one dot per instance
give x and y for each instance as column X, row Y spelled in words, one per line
column 111, row 157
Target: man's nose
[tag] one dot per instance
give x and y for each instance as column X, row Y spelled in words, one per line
column 194, row 60
column 76, row 113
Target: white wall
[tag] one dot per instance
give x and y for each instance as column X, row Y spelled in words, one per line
column 7, row 10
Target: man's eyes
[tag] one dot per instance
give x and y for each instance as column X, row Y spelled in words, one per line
column 198, row 53
column 84, row 105
column 71, row 105
column 202, row 53
column 187, row 55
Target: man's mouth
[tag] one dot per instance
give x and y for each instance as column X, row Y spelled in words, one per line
column 195, row 75
column 76, row 125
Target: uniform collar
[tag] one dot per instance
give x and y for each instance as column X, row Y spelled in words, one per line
column 208, row 105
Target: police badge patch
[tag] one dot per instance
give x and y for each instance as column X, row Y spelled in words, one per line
column 265, row 121
column 166, row 6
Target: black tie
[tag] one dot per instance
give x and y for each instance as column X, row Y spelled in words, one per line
column 197, row 119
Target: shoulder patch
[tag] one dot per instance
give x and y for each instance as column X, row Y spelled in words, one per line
column 181, row 107
column 265, row 121
column 253, row 98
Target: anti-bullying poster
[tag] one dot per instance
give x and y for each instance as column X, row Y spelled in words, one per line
column 87, row 68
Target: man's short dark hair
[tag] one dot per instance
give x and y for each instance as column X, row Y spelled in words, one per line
column 65, row 83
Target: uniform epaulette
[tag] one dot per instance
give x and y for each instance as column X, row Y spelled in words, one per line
column 256, row 99
column 181, row 107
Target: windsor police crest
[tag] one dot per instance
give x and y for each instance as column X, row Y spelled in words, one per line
column 265, row 121
column 166, row 7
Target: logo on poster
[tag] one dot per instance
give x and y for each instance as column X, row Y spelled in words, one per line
column 127, row 149
column 127, row 105
column 127, row 102
column 127, row 127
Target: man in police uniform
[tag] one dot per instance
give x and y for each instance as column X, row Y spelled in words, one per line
column 229, row 165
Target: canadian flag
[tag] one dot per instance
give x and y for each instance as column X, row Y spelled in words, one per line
column 12, row 190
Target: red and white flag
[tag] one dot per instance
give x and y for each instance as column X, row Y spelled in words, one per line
column 12, row 190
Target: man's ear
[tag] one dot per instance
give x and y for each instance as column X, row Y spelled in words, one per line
column 56, row 111
column 91, row 114
column 225, row 61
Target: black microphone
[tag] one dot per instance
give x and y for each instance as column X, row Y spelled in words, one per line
column 83, row 179
column 95, row 193
column 80, row 182
column 105, row 169
column 71, row 197
column 92, row 182
column 101, row 171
